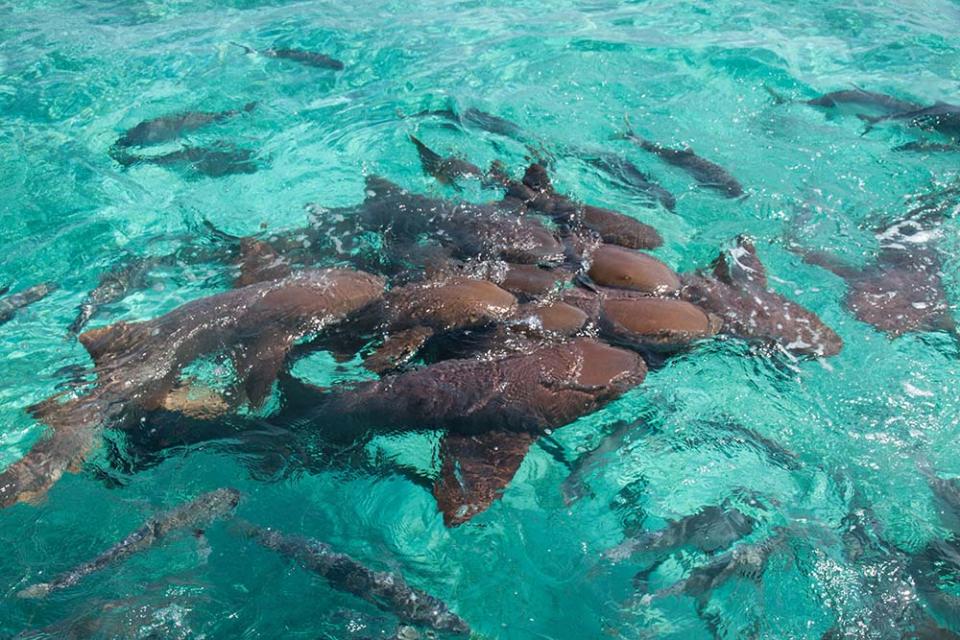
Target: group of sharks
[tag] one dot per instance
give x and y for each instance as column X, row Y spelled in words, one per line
column 493, row 323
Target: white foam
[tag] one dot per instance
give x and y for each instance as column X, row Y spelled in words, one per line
column 915, row 392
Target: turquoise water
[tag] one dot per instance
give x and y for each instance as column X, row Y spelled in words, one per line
column 75, row 74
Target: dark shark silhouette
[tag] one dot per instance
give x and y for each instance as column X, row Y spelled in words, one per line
column 170, row 127
column 387, row 591
column 192, row 515
column 901, row 290
column 13, row 303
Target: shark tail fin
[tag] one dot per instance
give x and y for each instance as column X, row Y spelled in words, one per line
column 778, row 98
column 870, row 121
column 628, row 132
column 244, row 47
column 429, row 159
column 741, row 265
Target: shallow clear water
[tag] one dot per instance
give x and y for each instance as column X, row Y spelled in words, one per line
column 75, row 74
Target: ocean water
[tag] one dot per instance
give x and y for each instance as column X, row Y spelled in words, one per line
column 797, row 444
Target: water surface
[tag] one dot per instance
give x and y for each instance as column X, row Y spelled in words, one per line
column 75, row 73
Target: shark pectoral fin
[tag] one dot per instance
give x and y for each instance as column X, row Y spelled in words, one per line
column 397, row 349
column 258, row 365
column 245, row 48
column 106, row 343
column 720, row 268
column 829, row 262
column 475, row 469
column 41, row 410
column 778, row 98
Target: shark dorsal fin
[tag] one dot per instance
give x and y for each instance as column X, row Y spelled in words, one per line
column 740, row 266
column 746, row 263
column 721, row 269
column 109, row 343
column 537, row 179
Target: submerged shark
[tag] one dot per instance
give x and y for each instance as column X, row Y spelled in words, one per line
column 713, row 528
column 215, row 162
column 536, row 193
column 192, row 515
column 171, row 127
column 706, row 173
column 941, row 117
column 10, row 305
column 901, row 290
column 617, row 167
column 304, row 57
column 138, row 364
column 387, row 591
column 492, row 410
column 448, row 170
column 853, row 96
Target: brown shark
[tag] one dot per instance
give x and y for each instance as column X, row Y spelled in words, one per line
column 737, row 292
column 446, row 170
column 407, row 222
column 554, row 318
column 387, row 591
column 519, row 397
column 901, row 292
column 536, row 192
column 531, row 281
column 138, row 364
